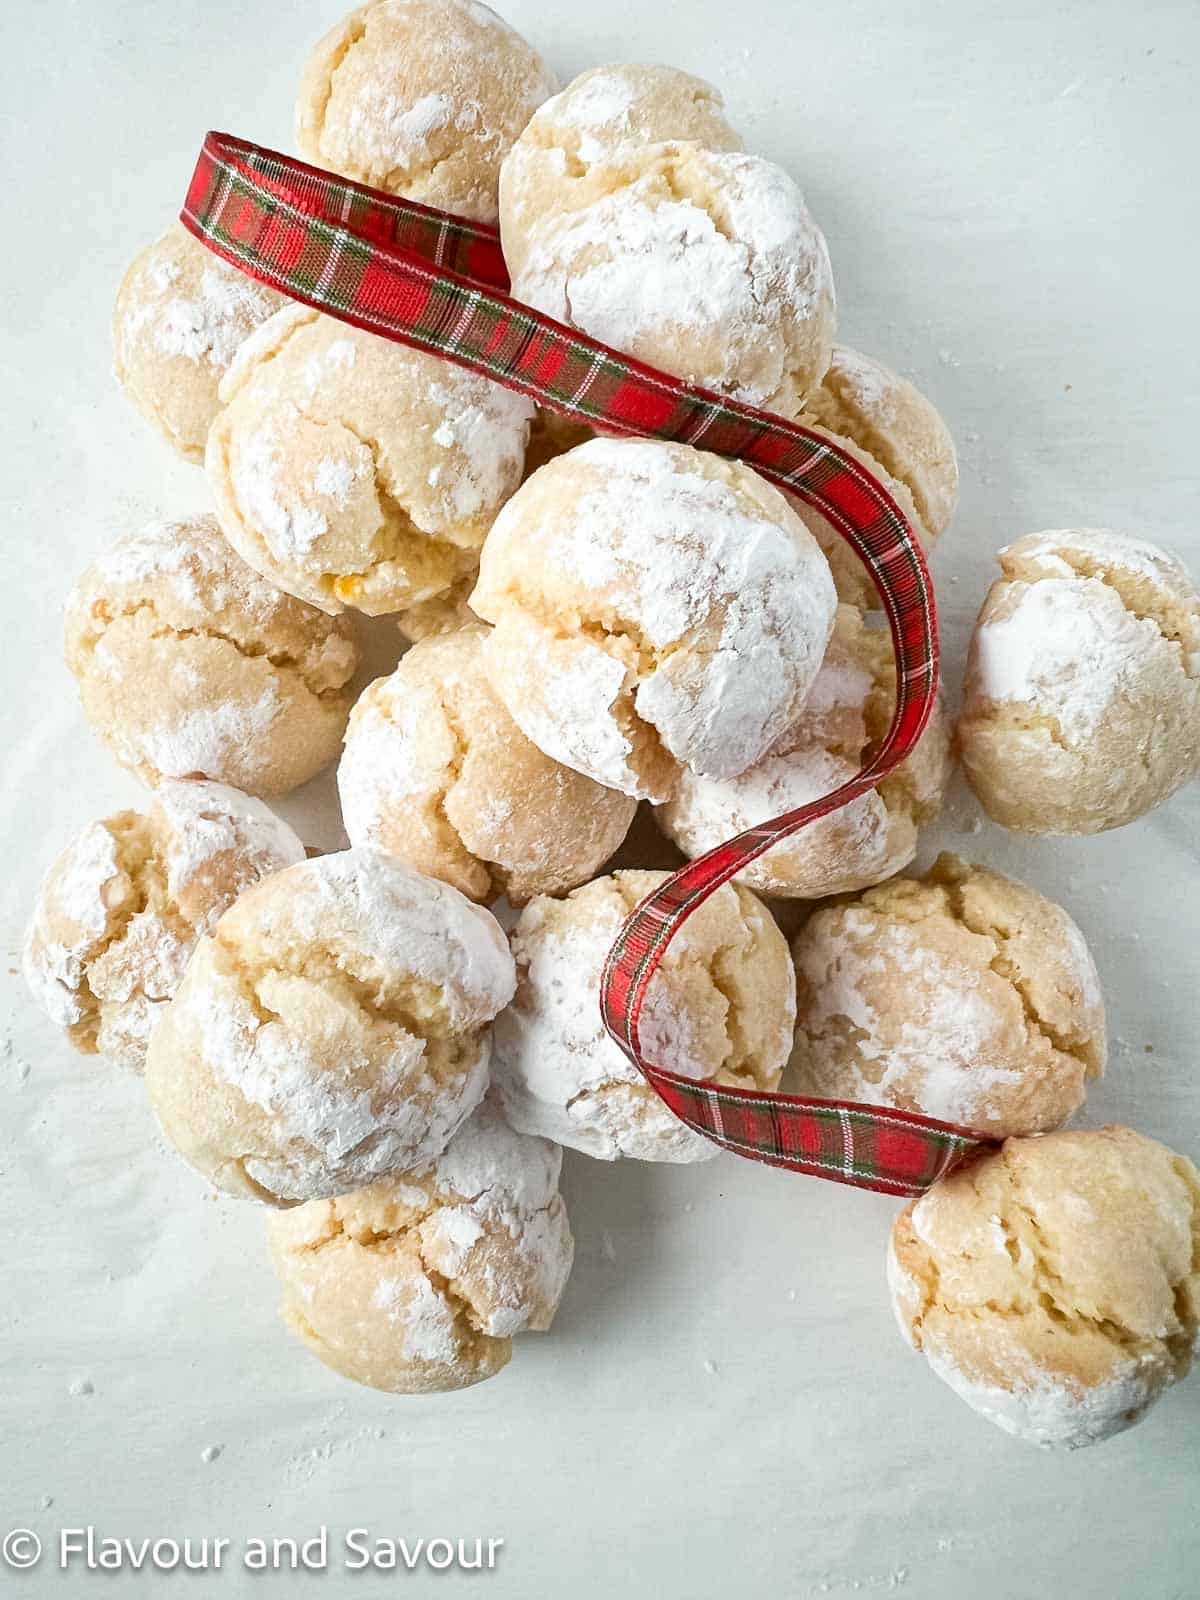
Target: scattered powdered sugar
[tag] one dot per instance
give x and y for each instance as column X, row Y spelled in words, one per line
column 334, row 478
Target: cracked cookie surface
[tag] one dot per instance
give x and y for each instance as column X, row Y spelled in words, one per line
column 120, row 910
column 180, row 315
column 1081, row 708
column 354, row 472
column 332, row 1029
column 888, row 424
column 419, row 1282
column 190, row 665
column 436, row 771
column 1054, row 1283
column 578, row 146
column 655, row 607
column 963, row 995
column 705, row 264
column 423, row 98
column 844, row 718
column 720, row 1007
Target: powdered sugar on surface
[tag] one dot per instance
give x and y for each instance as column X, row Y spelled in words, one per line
column 198, row 317
column 552, row 1054
column 205, row 740
column 737, row 606
column 729, row 275
column 1068, row 648
column 205, row 821
column 1047, row 1409
column 70, row 918
column 942, row 1052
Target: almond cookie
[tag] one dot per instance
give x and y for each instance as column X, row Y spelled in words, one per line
column 423, row 98
column 418, row 1283
column 353, row 471
column 436, row 771
column 887, row 424
column 962, row 995
column 719, row 1008
column 1054, row 1283
column 1081, row 708
column 655, row 608
column 192, row 666
column 844, row 718
column 579, row 146
column 331, row 1030
column 704, row 263
column 180, row 316
column 122, row 907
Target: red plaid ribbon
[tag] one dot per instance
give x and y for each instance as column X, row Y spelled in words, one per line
column 437, row 282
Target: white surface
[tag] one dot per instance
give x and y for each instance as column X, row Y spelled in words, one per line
column 1012, row 220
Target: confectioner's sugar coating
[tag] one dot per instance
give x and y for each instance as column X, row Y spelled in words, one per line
column 190, row 665
column 550, row 435
column 436, row 771
column 655, row 608
column 180, row 315
column 1054, row 1283
column 1082, row 700
column 962, row 995
column 845, row 715
column 578, row 147
column 888, row 425
column 705, row 264
column 331, row 1030
column 720, row 1007
column 418, row 1283
column 423, row 98
column 122, row 907
column 353, row 471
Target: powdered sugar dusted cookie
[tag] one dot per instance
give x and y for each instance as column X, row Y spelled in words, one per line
column 962, row 994
column 180, row 315
column 899, row 436
column 655, row 608
column 121, row 908
column 353, row 471
column 331, row 1030
column 846, row 715
column 580, row 145
column 436, row 771
column 1054, row 1283
column 720, row 1007
column 191, row 665
column 421, row 97
column 706, row 264
column 418, row 1283
column 1082, row 701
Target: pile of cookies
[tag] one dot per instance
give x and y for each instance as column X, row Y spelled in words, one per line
column 598, row 625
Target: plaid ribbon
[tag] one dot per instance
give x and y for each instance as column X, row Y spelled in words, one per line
column 438, row 283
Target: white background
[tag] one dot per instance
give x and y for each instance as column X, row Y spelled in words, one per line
column 1010, row 200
